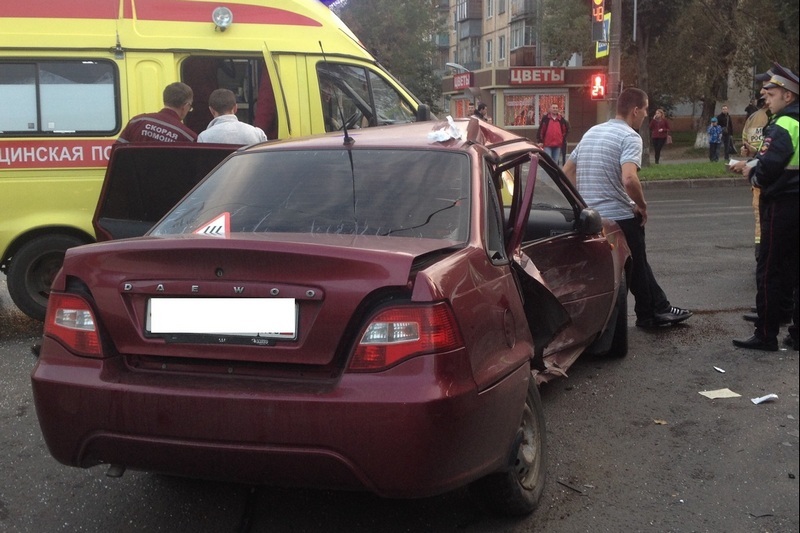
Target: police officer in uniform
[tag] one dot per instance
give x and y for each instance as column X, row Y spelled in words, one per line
column 777, row 174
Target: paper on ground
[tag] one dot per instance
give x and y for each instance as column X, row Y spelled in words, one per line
column 719, row 393
column 762, row 399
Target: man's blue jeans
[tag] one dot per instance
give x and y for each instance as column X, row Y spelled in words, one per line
column 554, row 152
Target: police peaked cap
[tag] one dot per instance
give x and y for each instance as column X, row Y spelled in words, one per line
column 764, row 76
column 783, row 78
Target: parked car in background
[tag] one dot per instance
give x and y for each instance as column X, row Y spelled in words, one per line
column 369, row 310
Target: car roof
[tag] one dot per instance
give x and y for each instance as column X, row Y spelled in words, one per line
column 496, row 142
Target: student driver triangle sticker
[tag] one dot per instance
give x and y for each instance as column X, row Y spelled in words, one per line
column 219, row 227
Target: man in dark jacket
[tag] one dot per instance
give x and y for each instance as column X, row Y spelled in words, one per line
column 725, row 122
column 777, row 174
column 167, row 125
column 553, row 130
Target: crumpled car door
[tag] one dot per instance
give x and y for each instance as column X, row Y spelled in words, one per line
column 545, row 314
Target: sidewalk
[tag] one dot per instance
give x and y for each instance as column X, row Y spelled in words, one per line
column 696, row 183
column 676, row 156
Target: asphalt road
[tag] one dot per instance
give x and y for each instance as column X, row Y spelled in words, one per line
column 633, row 446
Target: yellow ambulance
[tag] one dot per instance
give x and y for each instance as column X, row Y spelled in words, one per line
column 73, row 73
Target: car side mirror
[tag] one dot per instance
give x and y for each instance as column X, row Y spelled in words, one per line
column 423, row 113
column 590, row 222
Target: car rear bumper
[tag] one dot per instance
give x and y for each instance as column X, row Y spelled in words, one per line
column 418, row 429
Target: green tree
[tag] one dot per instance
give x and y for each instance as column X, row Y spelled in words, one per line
column 400, row 36
column 685, row 50
column 713, row 42
column 565, row 30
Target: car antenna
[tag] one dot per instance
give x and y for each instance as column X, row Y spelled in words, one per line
column 347, row 139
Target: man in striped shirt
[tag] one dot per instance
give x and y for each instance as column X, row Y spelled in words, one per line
column 604, row 166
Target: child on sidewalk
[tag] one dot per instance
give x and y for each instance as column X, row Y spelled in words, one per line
column 714, row 139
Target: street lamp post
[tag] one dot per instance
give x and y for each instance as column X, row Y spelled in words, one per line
column 456, row 66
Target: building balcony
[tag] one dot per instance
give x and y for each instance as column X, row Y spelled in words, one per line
column 469, row 10
column 522, row 9
column 470, row 28
column 524, row 56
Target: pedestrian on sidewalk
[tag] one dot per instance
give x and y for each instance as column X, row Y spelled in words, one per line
column 553, row 132
column 659, row 132
column 726, row 123
column 714, row 138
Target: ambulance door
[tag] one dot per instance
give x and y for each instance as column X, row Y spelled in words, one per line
column 271, row 97
column 291, row 74
column 353, row 96
column 147, row 75
column 258, row 93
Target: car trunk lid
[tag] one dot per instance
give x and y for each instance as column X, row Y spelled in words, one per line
column 327, row 280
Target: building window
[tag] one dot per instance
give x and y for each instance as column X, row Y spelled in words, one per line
column 489, row 58
column 521, row 34
column 489, row 9
column 461, row 10
column 527, row 109
column 501, row 47
column 461, row 107
column 501, row 7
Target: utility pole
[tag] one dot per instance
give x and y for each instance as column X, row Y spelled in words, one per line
column 614, row 53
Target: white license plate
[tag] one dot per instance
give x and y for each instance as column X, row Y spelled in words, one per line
column 274, row 318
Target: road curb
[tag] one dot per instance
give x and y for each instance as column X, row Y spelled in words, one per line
column 695, row 183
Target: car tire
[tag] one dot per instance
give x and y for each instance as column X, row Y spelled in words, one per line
column 516, row 491
column 32, row 269
column 619, row 343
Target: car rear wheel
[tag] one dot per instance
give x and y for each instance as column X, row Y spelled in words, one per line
column 516, row 491
column 32, row 269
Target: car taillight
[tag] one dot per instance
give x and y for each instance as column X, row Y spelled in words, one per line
column 402, row 332
column 70, row 320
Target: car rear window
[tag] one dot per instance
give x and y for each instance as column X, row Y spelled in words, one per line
column 406, row 193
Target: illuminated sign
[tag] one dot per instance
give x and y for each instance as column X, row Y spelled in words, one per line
column 597, row 87
column 535, row 76
column 462, row 81
column 598, row 16
column 598, row 10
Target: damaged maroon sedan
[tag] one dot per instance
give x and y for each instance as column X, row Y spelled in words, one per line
column 370, row 311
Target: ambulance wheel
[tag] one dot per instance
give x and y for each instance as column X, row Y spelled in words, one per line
column 32, row 270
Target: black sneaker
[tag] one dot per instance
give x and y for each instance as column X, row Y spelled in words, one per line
column 672, row 315
column 669, row 317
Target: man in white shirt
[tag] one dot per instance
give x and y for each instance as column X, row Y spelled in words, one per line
column 225, row 127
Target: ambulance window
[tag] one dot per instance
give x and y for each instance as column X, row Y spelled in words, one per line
column 66, row 97
column 18, row 85
column 358, row 98
column 391, row 108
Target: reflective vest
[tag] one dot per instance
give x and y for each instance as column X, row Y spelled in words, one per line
column 792, row 126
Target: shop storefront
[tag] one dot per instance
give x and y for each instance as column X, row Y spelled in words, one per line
column 517, row 97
